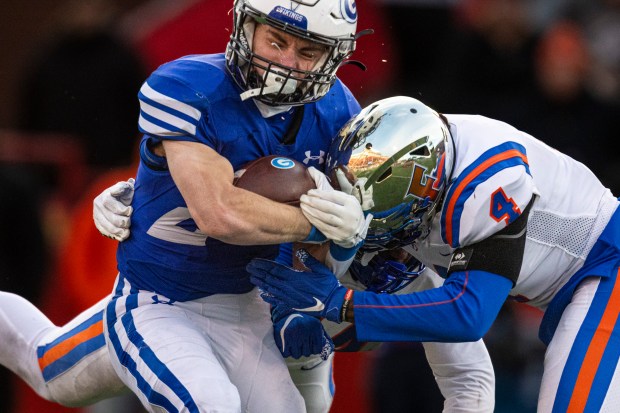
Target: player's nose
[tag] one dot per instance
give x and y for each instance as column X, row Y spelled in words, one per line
column 288, row 57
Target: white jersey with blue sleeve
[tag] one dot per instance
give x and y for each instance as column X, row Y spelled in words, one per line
column 569, row 265
column 498, row 170
column 194, row 99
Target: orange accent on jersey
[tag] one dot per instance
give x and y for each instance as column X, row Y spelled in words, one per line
column 417, row 188
column 61, row 349
column 477, row 171
column 595, row 352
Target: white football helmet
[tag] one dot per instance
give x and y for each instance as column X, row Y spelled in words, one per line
column 331, row 23
column 405, row 150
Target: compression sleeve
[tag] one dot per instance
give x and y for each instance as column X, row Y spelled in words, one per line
column 463, row 309
column 339, row 258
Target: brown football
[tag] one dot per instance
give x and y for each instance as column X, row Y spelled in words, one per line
column 278, row 178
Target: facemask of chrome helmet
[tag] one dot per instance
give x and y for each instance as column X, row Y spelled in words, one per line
column 404, row 149
column 386, row 271
column 331, row 23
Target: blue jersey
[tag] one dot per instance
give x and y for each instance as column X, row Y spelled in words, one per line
column 195, row 99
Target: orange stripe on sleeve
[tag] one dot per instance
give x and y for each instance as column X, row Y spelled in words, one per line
column 595, row 351
column 66, row 346
column 512, row 153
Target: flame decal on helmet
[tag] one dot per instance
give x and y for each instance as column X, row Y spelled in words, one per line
column 425, row 185
column 422, row 185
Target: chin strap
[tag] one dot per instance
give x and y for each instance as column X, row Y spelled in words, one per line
column 274, row 83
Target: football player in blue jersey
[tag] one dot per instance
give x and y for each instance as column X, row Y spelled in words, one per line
column 185, row 328
column 497, row 213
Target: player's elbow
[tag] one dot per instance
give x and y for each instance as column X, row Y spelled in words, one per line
column 468, row 323
column 217, row 222
column 470, row 332
column 475, row 307
column 464, row 331
column 474, row 323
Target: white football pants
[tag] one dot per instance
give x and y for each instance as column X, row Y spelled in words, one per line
column 215, row 354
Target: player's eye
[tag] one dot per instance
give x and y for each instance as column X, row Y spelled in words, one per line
column 308, row 55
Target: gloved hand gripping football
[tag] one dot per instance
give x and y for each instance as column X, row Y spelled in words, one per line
column 336, row 214
column 316, row 292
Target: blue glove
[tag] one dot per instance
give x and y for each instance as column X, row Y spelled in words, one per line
column 300, row 335
column 316, row 292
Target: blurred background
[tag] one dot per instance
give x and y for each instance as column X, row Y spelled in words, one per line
column 70, row 71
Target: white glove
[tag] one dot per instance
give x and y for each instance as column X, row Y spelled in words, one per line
column 112, row 210
column 364, row 196
column 320, row 180
column 337, row 215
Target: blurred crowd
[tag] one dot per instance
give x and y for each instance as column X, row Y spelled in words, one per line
column 550, row 68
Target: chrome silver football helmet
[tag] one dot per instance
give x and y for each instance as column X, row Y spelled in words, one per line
column 331, row 23
column 405, row 151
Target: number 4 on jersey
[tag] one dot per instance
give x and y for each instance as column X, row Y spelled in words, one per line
column 503, row 207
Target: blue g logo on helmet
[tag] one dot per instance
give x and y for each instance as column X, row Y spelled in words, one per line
column 282, row 163
column 348, row 8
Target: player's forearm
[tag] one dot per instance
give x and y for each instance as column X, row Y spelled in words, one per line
column 338, row 258
column 223, row 211
column 462, row 309
column 250, row 219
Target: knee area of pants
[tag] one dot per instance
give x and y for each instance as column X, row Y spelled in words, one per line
column 318, row 399
column 225, row 399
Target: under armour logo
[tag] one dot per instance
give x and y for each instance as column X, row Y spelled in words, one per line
column 310, row 157
column 459, row 256
column 156, row 300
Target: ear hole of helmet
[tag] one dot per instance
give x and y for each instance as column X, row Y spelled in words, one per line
column 421, row 151
column 385, row 175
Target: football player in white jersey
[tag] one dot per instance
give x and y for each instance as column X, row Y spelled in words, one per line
column 499, row 215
